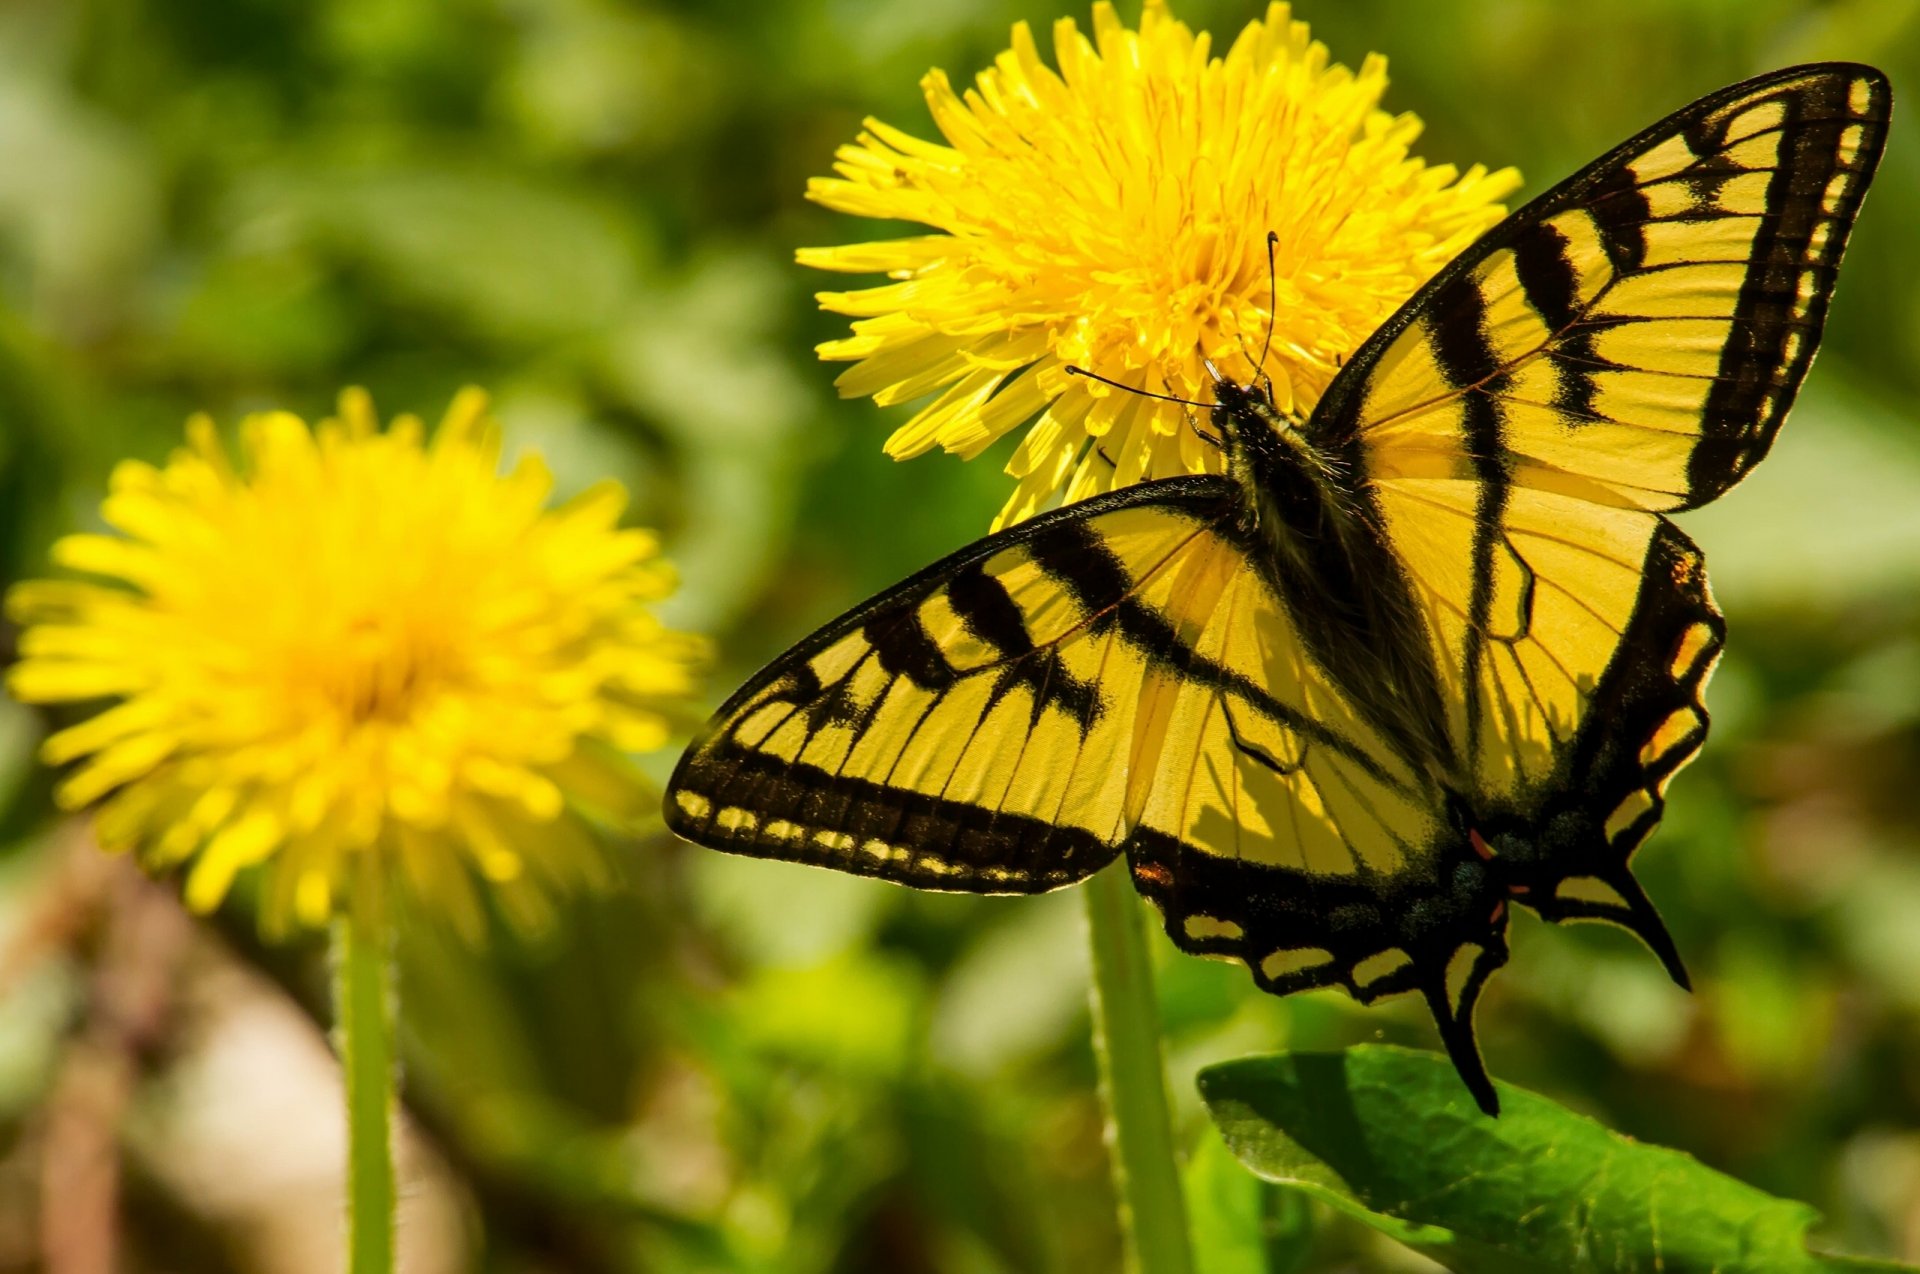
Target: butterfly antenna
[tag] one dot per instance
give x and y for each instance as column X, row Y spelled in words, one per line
column 1273, row 302
column 1144, row 393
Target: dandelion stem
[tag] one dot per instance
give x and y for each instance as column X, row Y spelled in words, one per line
column 364, row 1014
column 1126, row 1037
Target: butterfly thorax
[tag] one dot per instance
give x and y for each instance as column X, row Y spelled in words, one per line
column 1295, row 493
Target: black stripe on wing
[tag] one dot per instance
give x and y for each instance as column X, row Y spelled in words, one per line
column 875, row 829
column 1783, row 305
column 1464, row 352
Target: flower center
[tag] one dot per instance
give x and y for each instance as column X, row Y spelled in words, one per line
column 381, row 670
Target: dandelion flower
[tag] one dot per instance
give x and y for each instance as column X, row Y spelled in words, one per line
column 1114, row 215
column 355, row 642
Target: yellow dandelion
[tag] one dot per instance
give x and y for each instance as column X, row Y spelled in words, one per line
column 1114, row 215
column 356, row 642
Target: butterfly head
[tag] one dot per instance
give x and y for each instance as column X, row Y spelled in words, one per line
column 1242, row 412
column 1265, row 448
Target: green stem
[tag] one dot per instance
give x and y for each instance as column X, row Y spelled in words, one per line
column 363, row 1014
column 1126, row 1038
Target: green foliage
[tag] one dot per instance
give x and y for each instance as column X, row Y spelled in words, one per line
column 1387, row 1136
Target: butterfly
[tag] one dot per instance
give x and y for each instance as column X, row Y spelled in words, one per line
column 1430, row 652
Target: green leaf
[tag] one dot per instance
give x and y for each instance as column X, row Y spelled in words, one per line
column 1389, row 1136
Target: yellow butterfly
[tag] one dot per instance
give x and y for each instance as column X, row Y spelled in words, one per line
column 1430, row 651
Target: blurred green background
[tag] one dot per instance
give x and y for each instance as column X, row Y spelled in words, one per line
column 591, row 208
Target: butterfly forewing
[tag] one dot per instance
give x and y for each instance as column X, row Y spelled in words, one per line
column 967, row 729
column 1647, row 323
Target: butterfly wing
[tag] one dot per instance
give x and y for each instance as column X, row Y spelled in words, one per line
column 1003, row 720
column 1573, row 642
column 1637, row 333
column 1628, row 343
column 967, row 729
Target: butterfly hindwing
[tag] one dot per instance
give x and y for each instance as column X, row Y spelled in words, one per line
column 1278, row 826
column 1527, row 617
column 1575, row 688
column 1567, row 856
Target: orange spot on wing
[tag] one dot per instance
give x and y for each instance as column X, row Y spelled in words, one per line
column 1153, row 873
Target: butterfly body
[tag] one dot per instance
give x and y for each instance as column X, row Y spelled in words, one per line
column 1431, row 652
column 1307, row 525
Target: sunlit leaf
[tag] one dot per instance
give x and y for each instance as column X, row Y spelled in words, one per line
column 1389, row 1136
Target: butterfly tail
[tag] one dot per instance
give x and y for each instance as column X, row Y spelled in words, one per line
column 1644, row 922
column 1632, row 910
column 1453, row 1014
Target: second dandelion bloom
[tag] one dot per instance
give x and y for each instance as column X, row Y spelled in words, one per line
column 1113, row 214
column 351, row 642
